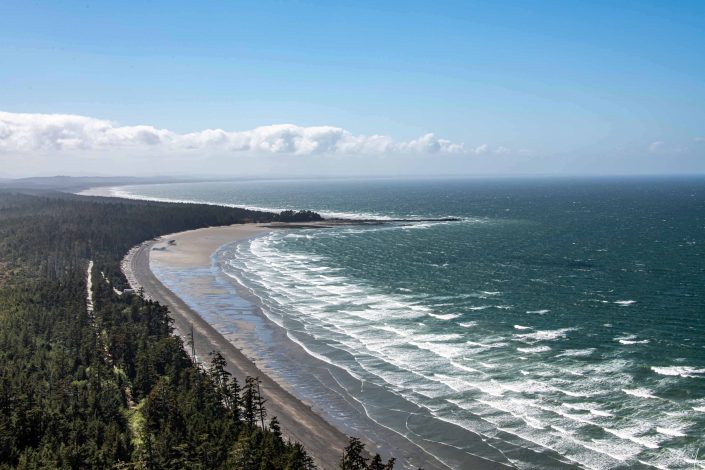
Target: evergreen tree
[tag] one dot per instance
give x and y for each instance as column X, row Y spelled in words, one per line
column 353, row 456
column 249, row 402
column 116, row 390
column 298, row 459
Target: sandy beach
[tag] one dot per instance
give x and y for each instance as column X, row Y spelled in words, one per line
column 300, row 420
column 194, row 249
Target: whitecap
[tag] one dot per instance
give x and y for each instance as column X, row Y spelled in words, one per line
column 624, row 434
column 537, row 349
column 539, row 312
column 592, row 408
column 682, row 371
column 438, row 337
column 444, row 316
column 639, row 392
column 448, row 351
column 577, row 352
column 543, row 335
column 625, row 303
column 465, row 368
column 670, row 432
column 571, row 393
column 630, row 339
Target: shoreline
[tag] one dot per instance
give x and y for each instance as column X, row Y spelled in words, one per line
column 323, row 435
column 299, row 422
column 322, row 430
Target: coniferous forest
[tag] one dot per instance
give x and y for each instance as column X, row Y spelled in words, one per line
column 110, row 386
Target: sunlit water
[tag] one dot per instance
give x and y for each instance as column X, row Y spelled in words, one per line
column 562, row 316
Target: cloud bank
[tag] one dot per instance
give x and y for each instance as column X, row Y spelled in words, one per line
column 28, row 133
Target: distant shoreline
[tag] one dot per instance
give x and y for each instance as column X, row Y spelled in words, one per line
column 329, row 221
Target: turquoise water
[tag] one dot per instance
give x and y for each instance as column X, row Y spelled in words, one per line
column 558, row 317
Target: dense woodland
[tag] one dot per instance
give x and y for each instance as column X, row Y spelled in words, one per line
column 113, row 388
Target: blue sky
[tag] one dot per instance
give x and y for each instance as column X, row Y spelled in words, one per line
column 564, row 87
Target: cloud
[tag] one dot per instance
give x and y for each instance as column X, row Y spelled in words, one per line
column 28, row 133
column 663, row 148
column 656, row 147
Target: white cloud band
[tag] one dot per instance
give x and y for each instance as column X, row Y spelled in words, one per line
column 21, row 132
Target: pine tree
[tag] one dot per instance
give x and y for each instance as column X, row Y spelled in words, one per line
column 248, row 400
column 376, row 463
column 220, row 377
column 298, row 459
column 233, row 400
column 275, row 429
column 259, row 401
column 353, row 456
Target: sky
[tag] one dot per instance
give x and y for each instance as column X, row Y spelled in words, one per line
column 307, row 88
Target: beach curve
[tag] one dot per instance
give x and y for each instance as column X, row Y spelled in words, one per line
column 193, row 248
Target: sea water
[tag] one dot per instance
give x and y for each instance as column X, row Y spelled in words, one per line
column 561, row 320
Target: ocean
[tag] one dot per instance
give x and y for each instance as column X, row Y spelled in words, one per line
column 558, row 323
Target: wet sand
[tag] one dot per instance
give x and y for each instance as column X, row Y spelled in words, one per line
column 194, row 249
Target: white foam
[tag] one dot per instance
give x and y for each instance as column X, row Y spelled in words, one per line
column 625, row 434
column 543, row 335
column 625, row 303
column 592, row 408
column 463, row 367
column 577, row 353
column 536, row 349
column 468, row 324
column 639, row 392
column 571, row 393
column 671, row 432
column 682, row 371
column 539, row 312
column 633, row 341
column 630, row 339
column 444, row 316
column 448, row 351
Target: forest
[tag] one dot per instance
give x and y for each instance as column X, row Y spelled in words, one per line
column 111, row 386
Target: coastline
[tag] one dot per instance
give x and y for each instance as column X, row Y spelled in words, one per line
column 322, row 434
column 321, row 429
column 193, row 249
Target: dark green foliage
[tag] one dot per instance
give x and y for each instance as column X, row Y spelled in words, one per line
column 300, row 216
column 113, row 389
column 355, row 458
